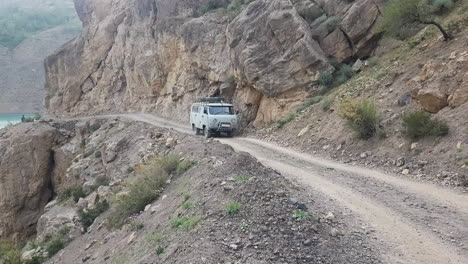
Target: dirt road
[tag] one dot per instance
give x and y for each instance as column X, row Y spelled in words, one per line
column 416, row 222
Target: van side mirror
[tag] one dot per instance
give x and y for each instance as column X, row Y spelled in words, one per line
column 205, row 112
column 237, row 112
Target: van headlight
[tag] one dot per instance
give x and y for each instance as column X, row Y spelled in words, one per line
column 233, row 121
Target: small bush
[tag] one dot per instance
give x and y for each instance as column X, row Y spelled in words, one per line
column 187, row 205
column 421, row 124
column 327, row 104
column 145, row 190
column 362, row 117
column 37, row 116
column 286, row 119
column 300, row 215
column 54, row 245
column 35, row 260
column 346, row 72
column 184, row 222
column 135, row 225
column 88, row 216
column 184, row 166
column 325, row 79
column 160, row 250
column 211, row 6
column 97, row 154
column 309, row 102
column 9, row 253
column 101, row 181
column 233, row 208
column 74, row 192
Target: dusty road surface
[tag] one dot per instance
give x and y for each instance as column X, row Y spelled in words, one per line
column 413, row 222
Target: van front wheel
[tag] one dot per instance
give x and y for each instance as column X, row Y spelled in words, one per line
column 207, row 132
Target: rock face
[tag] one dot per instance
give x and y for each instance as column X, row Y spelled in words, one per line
column 25, row 183
column 156, row 56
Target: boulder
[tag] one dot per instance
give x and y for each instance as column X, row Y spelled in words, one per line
column 60, row 219
column 432, row 99
column 460, row 96
column 358, row 65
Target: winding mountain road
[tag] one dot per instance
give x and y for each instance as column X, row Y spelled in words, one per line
column 417, row 222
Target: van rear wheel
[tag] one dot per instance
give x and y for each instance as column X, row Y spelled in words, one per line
column 207, row 132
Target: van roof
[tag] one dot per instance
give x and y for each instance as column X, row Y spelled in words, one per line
column 213, row 104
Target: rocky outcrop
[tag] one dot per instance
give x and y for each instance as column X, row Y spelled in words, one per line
column 442, row 84
column 25, row 183
column 156, row 56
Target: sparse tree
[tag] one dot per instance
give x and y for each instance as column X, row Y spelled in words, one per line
column 402, row 14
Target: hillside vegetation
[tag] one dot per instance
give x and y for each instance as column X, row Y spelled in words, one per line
column 18, row 22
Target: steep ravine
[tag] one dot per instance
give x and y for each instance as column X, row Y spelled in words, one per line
column 158, row 56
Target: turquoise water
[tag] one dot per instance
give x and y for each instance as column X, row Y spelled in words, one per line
column 6, row 119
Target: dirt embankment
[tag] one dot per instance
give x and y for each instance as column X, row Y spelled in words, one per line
column 422, row 74
column 275, row 221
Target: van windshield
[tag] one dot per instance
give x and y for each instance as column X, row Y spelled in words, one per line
column 221, row 110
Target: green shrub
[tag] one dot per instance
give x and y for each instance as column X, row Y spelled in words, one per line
column 54, row 245
column 184, row 166
column 9, row 253
column 35, row 260
column 101, row 181
column 342, row 74
column 72, row 192
column 184, row 222
column 97, row 154
column 300, row 215
column 309, row 102
column 233, row 207
column 37, row 116
column 286, row 119
column 327, row 104
column 421, row 124
column 212, row 5
column 362, row 117
column 151, row 179
column 160, row 250
column 325, row 79
column 187, row 205
column 87, row 216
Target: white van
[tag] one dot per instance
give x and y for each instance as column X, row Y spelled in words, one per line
column 213, row 116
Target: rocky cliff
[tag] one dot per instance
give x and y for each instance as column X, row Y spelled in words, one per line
column 159, row 55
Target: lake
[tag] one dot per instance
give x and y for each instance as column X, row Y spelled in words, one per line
column 6, row 119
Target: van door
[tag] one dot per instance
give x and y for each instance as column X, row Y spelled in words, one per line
column 204, row 117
